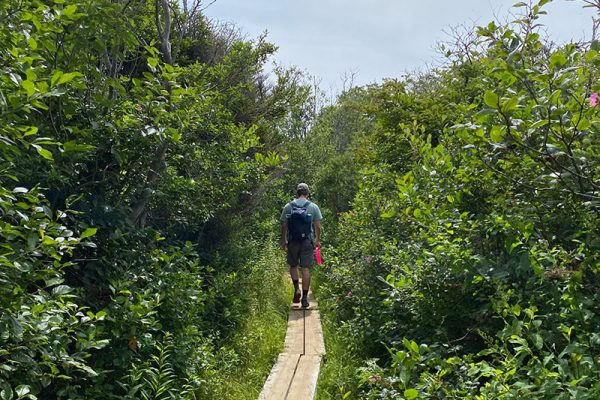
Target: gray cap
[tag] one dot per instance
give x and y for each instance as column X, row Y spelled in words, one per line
column 302, row 186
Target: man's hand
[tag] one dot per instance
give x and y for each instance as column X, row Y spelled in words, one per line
column 317, row 243
column 284, row 246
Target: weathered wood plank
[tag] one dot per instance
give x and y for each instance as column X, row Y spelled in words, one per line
column 304, row 384
column 279, row 380
column 313, row 334
column 294, row 339
column 294, row 376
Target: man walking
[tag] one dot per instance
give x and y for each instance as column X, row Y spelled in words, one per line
column 300, row 235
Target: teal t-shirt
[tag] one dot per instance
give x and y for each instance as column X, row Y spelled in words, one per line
column 312, row 210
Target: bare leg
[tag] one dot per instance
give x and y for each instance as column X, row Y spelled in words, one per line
column 305, row 278
column 294, row 273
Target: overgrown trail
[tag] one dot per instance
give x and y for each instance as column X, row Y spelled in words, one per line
column 294, row 375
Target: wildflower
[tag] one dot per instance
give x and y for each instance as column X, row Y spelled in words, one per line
column 594, row 99
column 375, row 378
column 369, row 259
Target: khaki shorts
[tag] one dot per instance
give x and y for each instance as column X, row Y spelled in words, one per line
column 300, row 253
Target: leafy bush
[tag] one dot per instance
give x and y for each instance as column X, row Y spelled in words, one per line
column 114, row 138
column 477, row 237
column 47, row 338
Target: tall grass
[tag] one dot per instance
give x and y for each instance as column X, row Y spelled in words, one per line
column 248, row 356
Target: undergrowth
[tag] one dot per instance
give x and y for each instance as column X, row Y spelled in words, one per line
column 339, row 365
column 248, row 355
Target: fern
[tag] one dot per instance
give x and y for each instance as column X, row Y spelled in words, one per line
column 157, row 381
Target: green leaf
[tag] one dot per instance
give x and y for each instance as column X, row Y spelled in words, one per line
column 152, row 50
column 508, row 78
column 411, row 394
column 539, row 124
column 97, row 344
column 32, row 130
column 22, row 390
column 414, row 346
column 152, row 62
column 491, row 99
column 29, row 87
column 558, row 59
column 37, row 308
column 55, row 77
column 6, row 393
column 537, row 340
column 32, row 240
column 584, row 124
column 23, row 267
column 45, row 153
column 83, row 367
column 32, row 43
column 74, row 146
column 497, row 134
column 554, row 96
column 17, row 328
column 48, row 241
column 69, row 10
column 510, row 104
column 388, row 214
column 68, row 77
column 88, row 232
column 61, row 289
column 100, row 315
column 516, row 309
column 54, row 281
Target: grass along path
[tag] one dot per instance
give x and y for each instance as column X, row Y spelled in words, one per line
column 245, row 360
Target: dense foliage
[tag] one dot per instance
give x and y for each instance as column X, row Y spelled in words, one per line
column 136, row 139
column 144, row 155
column 467, row 265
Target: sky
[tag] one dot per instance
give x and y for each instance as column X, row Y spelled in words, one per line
column 376, row 39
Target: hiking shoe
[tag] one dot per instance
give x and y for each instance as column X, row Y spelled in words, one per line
column 305, row 302
column 297, row 295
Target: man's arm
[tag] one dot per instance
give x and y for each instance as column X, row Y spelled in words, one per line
column 317, row 233
column 284, row 235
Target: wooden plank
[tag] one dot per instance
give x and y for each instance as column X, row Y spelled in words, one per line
column 304, row 384
column 279, row 380
column 294, row 376
column 294, row 339
column 313, row 334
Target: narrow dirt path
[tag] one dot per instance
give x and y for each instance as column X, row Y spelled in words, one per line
column 294, row 375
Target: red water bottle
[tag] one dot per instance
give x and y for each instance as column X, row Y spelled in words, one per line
column 318, row 256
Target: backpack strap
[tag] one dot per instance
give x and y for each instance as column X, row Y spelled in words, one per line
column 293, row 203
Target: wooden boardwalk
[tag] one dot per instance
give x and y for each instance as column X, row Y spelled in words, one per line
column 294, row 376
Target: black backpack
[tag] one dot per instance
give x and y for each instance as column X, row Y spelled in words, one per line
column 299, row 222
